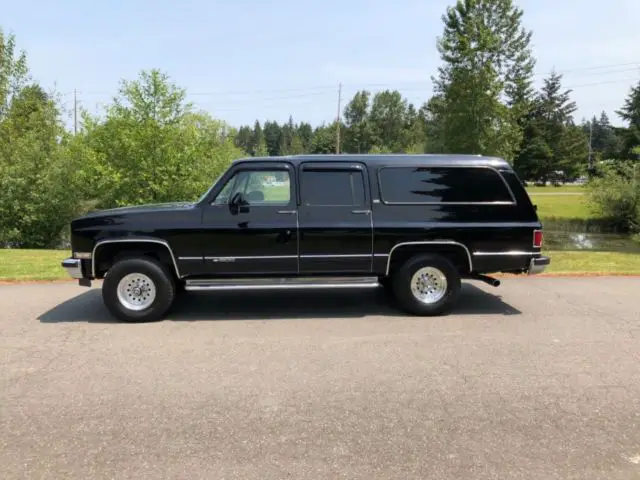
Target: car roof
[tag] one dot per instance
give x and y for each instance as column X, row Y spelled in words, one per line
column 384, row 159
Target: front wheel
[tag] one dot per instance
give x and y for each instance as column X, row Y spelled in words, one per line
column 138, row 290
column 427, row 285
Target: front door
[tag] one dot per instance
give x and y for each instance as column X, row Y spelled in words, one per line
column 335, row 223
column 250, row 227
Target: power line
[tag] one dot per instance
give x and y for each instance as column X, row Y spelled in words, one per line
column 319, row 89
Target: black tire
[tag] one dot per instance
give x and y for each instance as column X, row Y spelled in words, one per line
column 387, row 286
column 165, row 289
column 409, row 302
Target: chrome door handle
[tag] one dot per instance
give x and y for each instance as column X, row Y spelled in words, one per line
column 287, row 212
column 361, row 212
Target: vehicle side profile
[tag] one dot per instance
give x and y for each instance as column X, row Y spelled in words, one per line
column 415, row 224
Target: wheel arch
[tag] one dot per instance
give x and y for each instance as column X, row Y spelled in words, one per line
column 459, row 251
column 132, row 246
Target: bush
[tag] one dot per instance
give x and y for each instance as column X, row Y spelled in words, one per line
column 615, row 195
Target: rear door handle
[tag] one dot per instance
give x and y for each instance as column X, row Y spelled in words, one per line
column 287, row 212
column 361, row 212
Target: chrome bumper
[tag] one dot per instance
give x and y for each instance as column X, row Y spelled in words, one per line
column 538, row 265
column 73, row 267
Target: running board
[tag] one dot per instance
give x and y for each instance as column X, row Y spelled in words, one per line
column 280, row 283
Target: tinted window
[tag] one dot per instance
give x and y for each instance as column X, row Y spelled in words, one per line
column 259, row 187
column 441, row 184
column 332, row 188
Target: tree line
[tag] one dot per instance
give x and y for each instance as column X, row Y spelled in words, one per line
column 151, row 145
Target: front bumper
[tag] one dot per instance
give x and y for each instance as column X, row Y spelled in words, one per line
column 538, row 265
column 73, row 267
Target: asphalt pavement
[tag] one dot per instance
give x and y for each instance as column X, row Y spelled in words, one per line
column 537, row 379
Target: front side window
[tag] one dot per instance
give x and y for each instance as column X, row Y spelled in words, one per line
column 257, row 187
column 332, row 188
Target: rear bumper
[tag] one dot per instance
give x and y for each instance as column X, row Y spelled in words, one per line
column 538, row 265
column 73, row 267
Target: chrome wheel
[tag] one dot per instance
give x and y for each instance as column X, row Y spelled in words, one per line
column 428, row 285
column 136, row 291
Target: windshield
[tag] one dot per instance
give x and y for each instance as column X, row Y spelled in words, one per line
column 205, row 194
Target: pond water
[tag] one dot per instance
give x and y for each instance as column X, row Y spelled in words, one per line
column 586, row 235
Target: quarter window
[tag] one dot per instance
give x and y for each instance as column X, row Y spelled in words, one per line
column 442, row 185
column 259, row 187
column 332, row 188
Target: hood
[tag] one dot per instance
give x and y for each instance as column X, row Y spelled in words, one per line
column 147, row 208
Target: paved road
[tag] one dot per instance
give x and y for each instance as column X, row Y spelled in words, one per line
column 539, row 379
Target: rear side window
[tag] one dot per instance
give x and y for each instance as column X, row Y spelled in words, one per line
column 332, row 188
column 442, row 185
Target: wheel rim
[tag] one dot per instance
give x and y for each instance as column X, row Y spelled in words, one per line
column 136, row 291
column 429, row 285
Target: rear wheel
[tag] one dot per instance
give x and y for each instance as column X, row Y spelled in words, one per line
column 138, row 290
column 427, row 285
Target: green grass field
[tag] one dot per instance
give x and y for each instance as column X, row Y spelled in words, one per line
column 560, row 202
column 560, row 189
column 36, row 265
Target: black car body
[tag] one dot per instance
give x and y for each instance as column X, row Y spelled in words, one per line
column 321, row 221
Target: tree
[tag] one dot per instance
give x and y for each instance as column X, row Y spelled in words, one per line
column 605, row 144
column 387, row 119
column 272, row 132
column 324, row 139
column 258, row 144
column 305, row 132
column 358, row 134
column 243, row 138
column 13, row 71
column 552, row 143
column 154, row 147
column 630, row 113
column 485, row 77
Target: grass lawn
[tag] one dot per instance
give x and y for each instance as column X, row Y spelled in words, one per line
column 593, row 262
column 27, row 265
column 560, row 189
column 561, row 206
column 32, row 264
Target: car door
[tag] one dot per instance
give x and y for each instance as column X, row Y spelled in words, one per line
column 250, row 226
column 335, row 223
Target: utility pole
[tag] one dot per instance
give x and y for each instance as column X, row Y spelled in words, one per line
column 75, row 111
column 338, row 119
column 590, row 167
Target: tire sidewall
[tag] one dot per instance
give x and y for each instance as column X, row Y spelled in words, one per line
column 402, row 285
column 163, row 282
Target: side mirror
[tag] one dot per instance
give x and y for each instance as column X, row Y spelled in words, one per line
column 238, row 204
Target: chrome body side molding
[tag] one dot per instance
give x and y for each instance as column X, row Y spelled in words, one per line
column 133, row 240
column 430, row 242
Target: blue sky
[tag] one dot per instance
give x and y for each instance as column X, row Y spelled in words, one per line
column 250, row 59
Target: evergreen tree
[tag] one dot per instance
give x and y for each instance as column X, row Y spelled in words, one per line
column 630, row 113
column 486, row 59
column 552, row 142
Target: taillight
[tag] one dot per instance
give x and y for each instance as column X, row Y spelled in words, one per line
column 537, row 239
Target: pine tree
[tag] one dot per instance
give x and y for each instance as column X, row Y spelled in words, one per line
column 485, row 79
column 630, row 113
column 552, row 142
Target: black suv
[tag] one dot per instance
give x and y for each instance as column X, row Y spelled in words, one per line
column 414, row 224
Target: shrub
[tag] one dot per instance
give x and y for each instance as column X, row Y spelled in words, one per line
column 615, row 195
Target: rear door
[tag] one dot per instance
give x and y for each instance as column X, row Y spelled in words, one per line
column 335, row 223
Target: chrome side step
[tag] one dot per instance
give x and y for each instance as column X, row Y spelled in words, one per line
column 210, row 284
